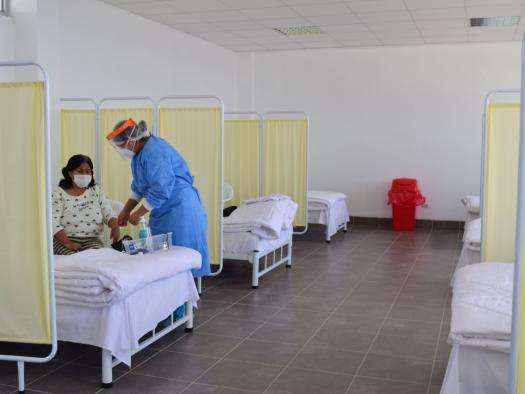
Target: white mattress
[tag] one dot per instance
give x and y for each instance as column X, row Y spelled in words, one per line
column 472, row 370
column 119, row 327
column 240, row 246
column 332, row 218
column 468, row 257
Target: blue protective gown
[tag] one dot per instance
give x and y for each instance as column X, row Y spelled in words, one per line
column 162, row 177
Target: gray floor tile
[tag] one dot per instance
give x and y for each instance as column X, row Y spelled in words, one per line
column 265, row 352
column 416, row 312
column 255, row 313
column 328, row 360
column 298, row 381
column 443, row 351
column 199, row 388
column 375, row 386
column 225, row 295
column 300, row 317
column 4, row 389
column 316, row 304
column 257, row 298
column 357, row 323
column 241, row 375
column 182, row 367
column 139, row 384
column 339, row 336
column 438, row 375
column 71, row 379
column 205, row 345
column 416, row 330
column 435, row 389
column 229, row 327
column 403, row 347
column 284, row 333
column 396, row 368
column 360, row 309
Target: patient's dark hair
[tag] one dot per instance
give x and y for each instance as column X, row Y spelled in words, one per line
column 73, row 163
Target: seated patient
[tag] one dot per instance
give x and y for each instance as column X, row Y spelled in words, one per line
column 80, row 210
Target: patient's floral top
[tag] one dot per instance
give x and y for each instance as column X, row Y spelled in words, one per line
column 81, row 216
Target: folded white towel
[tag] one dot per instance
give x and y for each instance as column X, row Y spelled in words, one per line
column 482, row 305
column 100, row 277
column 472, row 235
column 271, row 197
column 472, row 203
column 266, row 219
column 323, row 199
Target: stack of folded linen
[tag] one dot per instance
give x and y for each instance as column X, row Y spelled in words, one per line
column 266, row 217
column 471, row 251
column 102, row 277
column 472, row 235
column 472, row 205
column 482, row 306
column 318, row 200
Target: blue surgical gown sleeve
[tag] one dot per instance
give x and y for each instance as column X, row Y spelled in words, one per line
column 161, row 181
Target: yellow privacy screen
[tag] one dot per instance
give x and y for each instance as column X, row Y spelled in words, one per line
column 501, row 182
column 241, row 158
column 196, row 134
column 116, row 171
column 285, row 162
column 78, row 134
column 24, row 287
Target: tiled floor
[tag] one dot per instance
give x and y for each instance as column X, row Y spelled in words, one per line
column 366, row 314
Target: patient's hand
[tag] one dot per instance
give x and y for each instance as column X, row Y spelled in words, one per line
column 115, row 233
column 73, row 246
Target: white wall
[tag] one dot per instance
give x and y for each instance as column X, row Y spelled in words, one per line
column 92, row 49
column 381, row 113
column 6, row 43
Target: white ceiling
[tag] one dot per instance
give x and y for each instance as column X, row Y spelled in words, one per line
column 247, row 25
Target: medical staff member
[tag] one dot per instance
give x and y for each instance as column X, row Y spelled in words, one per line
column 163, row 183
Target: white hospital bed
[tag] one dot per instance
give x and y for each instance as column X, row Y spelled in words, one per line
column 480, row 330
column 118, row 327
column 265, row 255
column 334, row 215
column 473, row 370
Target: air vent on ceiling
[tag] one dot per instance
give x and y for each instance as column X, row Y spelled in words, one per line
column 300, row 30
column 495, row 21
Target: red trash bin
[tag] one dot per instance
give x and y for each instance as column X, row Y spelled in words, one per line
column 404, row 196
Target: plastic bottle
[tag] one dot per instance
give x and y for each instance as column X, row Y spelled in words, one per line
column 144, row 231
column 145, row 235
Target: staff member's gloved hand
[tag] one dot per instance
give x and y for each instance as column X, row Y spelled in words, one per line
column 134, row 219
column 123, row 218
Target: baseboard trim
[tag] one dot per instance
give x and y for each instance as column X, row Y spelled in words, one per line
column 420, row 223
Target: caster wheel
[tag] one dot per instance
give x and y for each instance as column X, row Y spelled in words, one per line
column 289, row 267
column 328, row 242
column 107, row 385
column 255, row 287
column 188, row 329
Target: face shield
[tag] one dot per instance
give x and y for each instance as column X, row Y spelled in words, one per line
column 124, row 138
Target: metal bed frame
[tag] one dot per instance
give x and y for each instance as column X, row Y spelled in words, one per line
column 262, row 263
column 109, row 362
column 342, row 226
column 21, row 360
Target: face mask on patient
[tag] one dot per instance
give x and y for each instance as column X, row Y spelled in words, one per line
column 82, row 181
